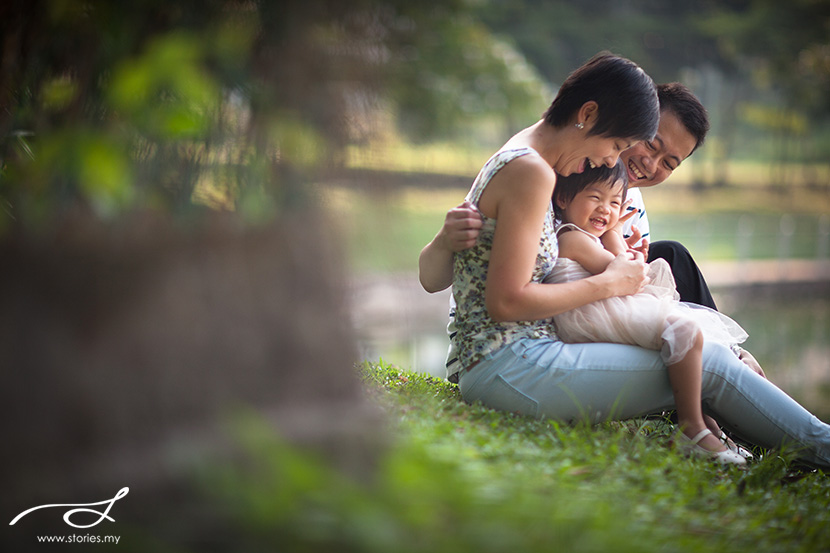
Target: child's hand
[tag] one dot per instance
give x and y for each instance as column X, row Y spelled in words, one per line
column 612, row 239
column 625, row 215
column 636, row 234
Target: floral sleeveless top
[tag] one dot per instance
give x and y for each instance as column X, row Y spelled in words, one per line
column 477, row 334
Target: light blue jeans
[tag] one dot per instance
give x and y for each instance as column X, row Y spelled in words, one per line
column 567, row 382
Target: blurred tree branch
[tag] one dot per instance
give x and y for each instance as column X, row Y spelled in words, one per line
column 111, row 107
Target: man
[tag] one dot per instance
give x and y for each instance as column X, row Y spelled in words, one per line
column 683, row 127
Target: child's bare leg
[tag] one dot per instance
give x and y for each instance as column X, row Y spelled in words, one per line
column 685, row 378
column 712, row 425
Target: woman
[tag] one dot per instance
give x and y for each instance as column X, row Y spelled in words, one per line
column 511, row 357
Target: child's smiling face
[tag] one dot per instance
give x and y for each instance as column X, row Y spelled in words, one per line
column 596, row 208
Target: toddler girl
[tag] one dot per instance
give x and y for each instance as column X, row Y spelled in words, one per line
column 588, row 205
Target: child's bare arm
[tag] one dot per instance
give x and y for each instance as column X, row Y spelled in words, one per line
column 613, row 240
column 585, row 251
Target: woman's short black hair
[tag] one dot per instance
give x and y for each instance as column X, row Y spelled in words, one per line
column 568, row 187
column 625, row 94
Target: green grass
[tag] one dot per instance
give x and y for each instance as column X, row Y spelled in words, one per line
column 454, row 477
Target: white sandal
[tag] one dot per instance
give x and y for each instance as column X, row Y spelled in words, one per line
column 732, row 446
column 725, row 457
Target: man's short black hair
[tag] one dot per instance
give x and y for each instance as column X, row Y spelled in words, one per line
column 678, row 99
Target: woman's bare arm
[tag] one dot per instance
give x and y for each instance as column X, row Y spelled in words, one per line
column 459, row 232
column 518, row 197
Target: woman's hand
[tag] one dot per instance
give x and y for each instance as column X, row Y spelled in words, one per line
column 461, row 227
column 459, row 232
column 750, row 361
column 627, row 274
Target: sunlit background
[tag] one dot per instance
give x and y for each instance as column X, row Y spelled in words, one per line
column 381, row 112
column 128, row 128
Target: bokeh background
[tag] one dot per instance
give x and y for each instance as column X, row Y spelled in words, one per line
column 206, row 201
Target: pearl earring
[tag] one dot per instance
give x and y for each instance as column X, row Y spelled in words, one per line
column 580, row 126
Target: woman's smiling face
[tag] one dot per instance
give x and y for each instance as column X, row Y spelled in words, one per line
column 594, row 151
column 583, row 149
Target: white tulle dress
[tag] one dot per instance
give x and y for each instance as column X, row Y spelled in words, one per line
column 653, row 319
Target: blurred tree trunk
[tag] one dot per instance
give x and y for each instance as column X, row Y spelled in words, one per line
column 129, row 350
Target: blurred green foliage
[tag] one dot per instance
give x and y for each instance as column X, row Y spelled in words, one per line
column 107, row 107
column 740, row 57
column 785, row 46
column 456, row 477
column 110, row 107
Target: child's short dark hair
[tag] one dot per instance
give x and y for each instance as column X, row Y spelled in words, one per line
column 568, row 187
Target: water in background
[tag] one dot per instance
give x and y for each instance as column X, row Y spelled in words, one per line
column 788, row 325
column 789, row 335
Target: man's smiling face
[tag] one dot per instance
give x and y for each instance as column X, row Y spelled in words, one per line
column 650, row 163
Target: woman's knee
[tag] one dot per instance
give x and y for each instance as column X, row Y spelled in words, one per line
column 721, row 367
